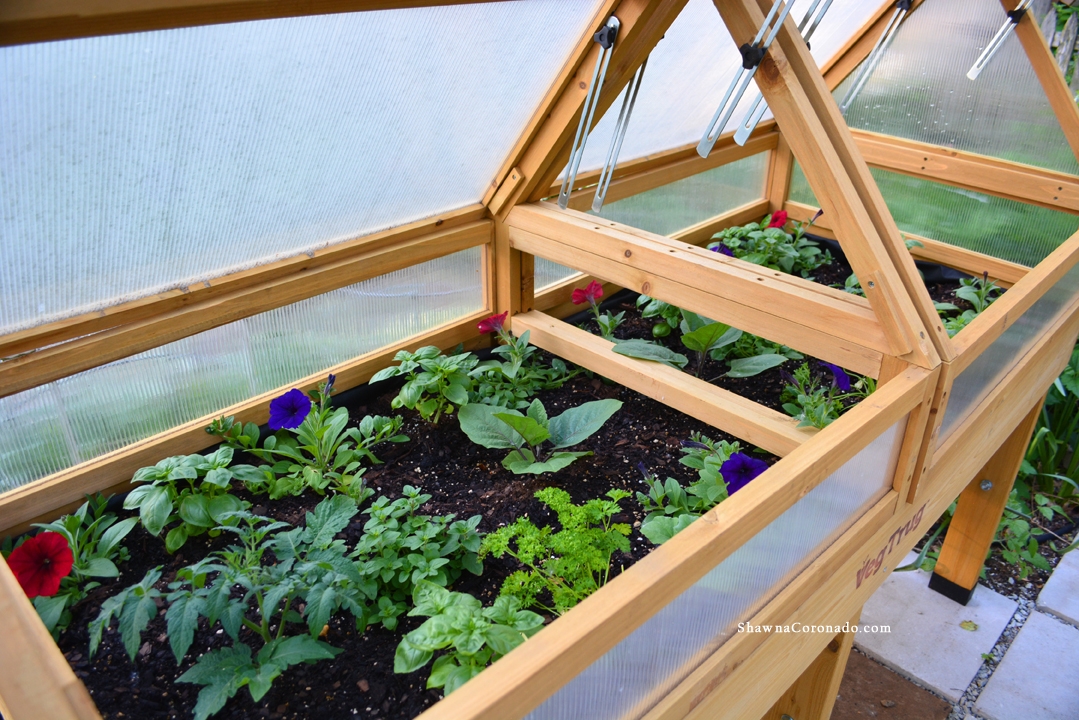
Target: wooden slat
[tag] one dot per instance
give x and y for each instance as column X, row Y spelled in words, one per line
column 780, row 166
column 59, row 361
column 547, row 150
column 731, row 413
column 857, row 49
column 35, row 680
column 43, row 500
column 161, row 303
column 824, row 322
column 664, row 175
column 809, row 119
column 1003, row 272
column 998, row 317
column 522, row 680
column 1014, row 181
column 658, row 160
column 813, row 695
column 703, row 231
column 1045, row 67
column 30, row 21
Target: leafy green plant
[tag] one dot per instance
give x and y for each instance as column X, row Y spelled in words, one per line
column 192, row 490
column 591, row 294
column 979, row 292
column 320, row 453
column 520, row 374
column 472, row 635
column 810, row 400
column 766, row 243
column 853, row 286
column 669, row 315
column 564, row 567
column 525, row 435
column 437, row 384
column 703, row 336
column 96, row 541
column 648, row 350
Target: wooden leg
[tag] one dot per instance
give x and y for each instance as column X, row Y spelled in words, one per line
column 977, row 515
column 813, row 695
column 514, row 275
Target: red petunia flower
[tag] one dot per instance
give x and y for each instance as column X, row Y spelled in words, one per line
column 779, row 219
column 590, row 294
column 493, row 323
column 41, row 563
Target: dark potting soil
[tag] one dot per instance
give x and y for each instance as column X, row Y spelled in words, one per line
column 464, row 479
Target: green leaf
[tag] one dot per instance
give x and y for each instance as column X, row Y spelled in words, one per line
column 222, row 504
column 748, row 367
column 50, row 609
column 692, row 321
column 409, row 658
column 576, row 424
column 478, row 421
column 101, row 567
column 137, row 613
column 707, row 337
column 219, row 477
column 533, row 432
column 176, row 538
column 183, row 616
column 502, row 639
column 302, row 648
column 442, row 670
column 523, row 462
column 536, row 411
column 456, row 394
column 212, row 698
column 112, row 537
column 661, row 529
column 331, row 516
column 195, row 510
column 321, row 602
column 645, row 350
column 155, row 509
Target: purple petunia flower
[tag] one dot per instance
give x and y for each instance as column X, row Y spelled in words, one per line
column 723, row 250
column 329, row 383
column 839, row 376
column 288, row 411
column 739, row 470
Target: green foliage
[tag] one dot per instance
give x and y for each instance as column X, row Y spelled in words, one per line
column 437, row 384
column 979, row 292
column 525, row 435
column 773, row 248
column 648, row 350
column 703, row 336
column 519, row 376
column 671, row 507
column 810, row 400
column 564, row 567
column 669, row 315
column 95, row 538
column 853, row 286
column 474, row 636
column 192, row 490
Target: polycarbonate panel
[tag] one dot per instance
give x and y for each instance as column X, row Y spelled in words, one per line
column 57, row 425
column 627, row 681
column 1003, row 228
column 689, row 72
column 987, row 370
column 548, row 273
column 134, row 164
column 920, row 89
column 684, row 203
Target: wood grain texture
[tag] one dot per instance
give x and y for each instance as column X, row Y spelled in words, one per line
column 775, row 432
column 52, row 363
column 31, row 21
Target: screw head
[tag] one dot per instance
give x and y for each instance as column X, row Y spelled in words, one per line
column 986, row 485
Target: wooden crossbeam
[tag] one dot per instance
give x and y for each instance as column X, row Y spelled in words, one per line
column 973, row 263
column 821, row 321
column 54, row 362
column 520, row 681
column 731, row 413
column 810, row 121
column 1049, row 75
column 32, row 21
column 1014, row 181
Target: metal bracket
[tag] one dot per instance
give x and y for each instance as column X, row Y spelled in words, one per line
column 902, row 7
column 997, row 42
column 756, row 111
column 616, row 140
column 752, row 54
column 605, row 39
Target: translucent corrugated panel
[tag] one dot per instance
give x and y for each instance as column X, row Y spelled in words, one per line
column 920, row 89
column 684, row 203
column 689, row 72
column 549, row 273
column 133, row 164
column 57, row 425
column 626, row 682
column 1003, row 228
column 988, row 369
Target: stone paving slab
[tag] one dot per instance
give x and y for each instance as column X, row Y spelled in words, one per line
column 927, row 642
column 1060, row 596
column 1036, row 678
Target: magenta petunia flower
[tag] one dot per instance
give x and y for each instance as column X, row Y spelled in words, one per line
column 288, row 411
column 589, row 294
column 779, row 219
column 40, row 563
column 493, row 324
column 739, row 470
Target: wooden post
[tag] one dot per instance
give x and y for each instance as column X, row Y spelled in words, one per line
column 977, row 515
column 779, row 175
column 813, row 695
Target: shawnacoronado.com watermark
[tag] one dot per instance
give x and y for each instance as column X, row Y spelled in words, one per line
column 795, row 628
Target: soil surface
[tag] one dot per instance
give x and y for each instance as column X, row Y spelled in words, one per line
column 870, row 690
column 464, row 479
